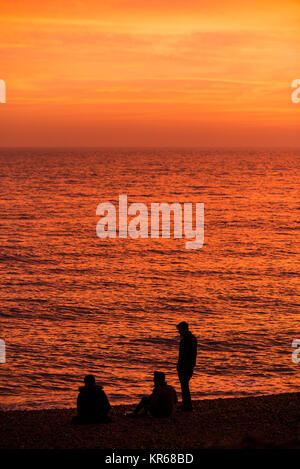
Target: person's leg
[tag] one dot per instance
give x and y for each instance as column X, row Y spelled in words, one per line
column 159, row 414
column 79, row 419
column 185, row 392
column 76, row 419
column 142, row 405
column 103, row 418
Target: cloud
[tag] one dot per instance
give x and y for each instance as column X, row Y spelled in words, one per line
column 157, row 61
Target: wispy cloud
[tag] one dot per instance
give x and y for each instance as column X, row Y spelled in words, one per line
column 204, row 58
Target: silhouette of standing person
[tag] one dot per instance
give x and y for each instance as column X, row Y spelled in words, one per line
column 186, row 363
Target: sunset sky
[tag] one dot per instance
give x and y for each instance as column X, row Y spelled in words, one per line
column 149, row 72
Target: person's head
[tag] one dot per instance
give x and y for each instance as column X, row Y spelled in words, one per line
column 89, row 380
column 159, row 378
column 182, row 327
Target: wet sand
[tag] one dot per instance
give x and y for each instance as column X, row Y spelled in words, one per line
column 253, row 422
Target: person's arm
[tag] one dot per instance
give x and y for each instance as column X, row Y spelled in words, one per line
column 195, row 350
column 181, row 354
column 190, row 351
column 106, row 404
column 154, row 399
column 79, row 404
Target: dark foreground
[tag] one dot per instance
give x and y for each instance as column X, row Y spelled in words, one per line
column 252, row 422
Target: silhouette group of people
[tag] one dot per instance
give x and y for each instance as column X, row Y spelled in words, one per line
column 93, row 405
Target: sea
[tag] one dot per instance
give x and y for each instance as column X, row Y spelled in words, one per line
column 72, row 303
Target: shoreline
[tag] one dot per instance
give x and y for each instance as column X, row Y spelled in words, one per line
column 133, row 401
column 130, row 403
column 266, row 421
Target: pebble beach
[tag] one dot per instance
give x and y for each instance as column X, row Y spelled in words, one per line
column 252, row 422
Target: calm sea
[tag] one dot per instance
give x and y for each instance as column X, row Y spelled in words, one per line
column 73, row 304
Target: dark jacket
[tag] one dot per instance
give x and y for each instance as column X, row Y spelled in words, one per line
column 187, row 353
column 92, row 403
column 162, row 400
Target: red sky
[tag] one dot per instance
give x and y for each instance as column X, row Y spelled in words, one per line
column 141, row 72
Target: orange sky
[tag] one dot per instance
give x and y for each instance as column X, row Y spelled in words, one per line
column 149, row 72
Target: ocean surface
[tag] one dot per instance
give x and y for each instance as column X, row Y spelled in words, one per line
column 73, row 304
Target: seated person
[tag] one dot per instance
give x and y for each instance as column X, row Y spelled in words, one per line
column 161, row 402
column 92, row 403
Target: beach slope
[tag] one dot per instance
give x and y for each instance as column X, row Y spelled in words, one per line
column 251, row 422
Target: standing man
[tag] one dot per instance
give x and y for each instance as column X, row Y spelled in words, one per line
column 186, row 363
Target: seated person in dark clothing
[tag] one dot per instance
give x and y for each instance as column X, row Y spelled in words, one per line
column 161, row 402
column 92, row 403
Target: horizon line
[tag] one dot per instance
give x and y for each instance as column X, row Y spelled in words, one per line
column 204, row 147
